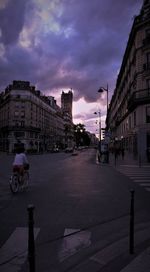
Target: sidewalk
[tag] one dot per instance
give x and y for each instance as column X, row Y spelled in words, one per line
column 127, row 160
column 140, row 264
column 141, row 261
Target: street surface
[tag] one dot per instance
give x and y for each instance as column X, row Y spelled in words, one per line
column 81, row 215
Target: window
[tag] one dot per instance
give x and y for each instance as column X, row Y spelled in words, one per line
column 22, row 114
column 16, row 113
column 19, row 134
column 129, row 122
column 148, row 57
column 17, row 104
column 134, row 118
column 148, row 32
column 148, row 114
column 22, row 123
column 22, row 105
column 148, row 84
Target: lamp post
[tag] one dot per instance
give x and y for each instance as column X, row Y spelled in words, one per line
column 99, row 113
column 101, row 90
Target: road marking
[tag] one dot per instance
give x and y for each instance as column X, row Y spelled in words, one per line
column 14, row 252
column 141, row 180
column 72, row 244
column 139, row 177
column 145, row 184
column 131, row 165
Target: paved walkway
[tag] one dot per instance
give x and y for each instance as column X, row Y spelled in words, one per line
column 127, row 160
column 142, row 262
column 138, row 172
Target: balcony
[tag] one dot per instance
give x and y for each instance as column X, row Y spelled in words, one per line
column 139, row 98
column 20, row 128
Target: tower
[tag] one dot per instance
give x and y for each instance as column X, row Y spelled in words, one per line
column 66, row 103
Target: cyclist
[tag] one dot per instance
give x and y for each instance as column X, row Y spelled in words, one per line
column 20, row 162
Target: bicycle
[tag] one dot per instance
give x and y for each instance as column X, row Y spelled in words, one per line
column 19, row 182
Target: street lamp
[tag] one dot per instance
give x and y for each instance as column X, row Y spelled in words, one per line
column 101, row 90
column 99, row 113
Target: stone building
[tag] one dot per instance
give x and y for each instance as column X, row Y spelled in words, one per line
column 128, row 116
column 31, row 118
column 66, row 106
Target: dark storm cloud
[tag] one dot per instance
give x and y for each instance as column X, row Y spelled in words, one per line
column 80, row 48
column 12, row 20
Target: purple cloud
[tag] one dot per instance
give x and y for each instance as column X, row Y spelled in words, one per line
column 70, row 44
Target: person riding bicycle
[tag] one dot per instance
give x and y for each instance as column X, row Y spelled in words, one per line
column 20, row 162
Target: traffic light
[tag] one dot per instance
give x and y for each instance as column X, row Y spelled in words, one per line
column 103, row 132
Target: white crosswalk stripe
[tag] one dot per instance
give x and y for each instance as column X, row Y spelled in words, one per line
column 140, row 175
column 14, row 252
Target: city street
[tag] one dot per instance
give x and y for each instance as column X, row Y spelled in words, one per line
column 74, row 194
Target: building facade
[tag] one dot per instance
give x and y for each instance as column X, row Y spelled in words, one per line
column 31, row 118
column 128, row 116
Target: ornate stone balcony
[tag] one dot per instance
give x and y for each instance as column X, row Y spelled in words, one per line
column 140, row 97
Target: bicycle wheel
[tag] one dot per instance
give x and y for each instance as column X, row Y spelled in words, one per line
column 25, row 179
column 14, row 183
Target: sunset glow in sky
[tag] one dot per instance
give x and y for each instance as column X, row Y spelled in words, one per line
column 62, row 44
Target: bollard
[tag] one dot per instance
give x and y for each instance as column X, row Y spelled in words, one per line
column 132, row 223
column 31, row 246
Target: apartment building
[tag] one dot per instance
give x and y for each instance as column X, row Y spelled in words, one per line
column 31, row 118
column 128, row 116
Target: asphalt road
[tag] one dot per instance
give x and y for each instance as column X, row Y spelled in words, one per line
column 70, row 194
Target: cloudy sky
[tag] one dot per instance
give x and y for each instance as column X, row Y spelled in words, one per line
column 62, row 44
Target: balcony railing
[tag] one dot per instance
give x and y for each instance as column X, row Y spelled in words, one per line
column 139, row 98
column 20, row 128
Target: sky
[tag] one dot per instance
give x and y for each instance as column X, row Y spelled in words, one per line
column 60, row 45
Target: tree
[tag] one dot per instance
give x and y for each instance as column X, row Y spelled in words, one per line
column 81, row 136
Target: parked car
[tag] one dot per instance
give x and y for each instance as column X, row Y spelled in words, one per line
column 55, row 150
column 69, row 149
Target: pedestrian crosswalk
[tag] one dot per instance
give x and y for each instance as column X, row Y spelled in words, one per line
column 13, row 253
column 140, row 175
column 114, row 248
